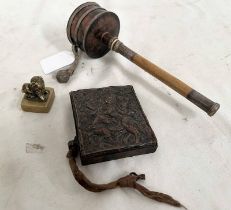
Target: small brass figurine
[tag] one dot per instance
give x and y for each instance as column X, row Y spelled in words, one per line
column 37, row 98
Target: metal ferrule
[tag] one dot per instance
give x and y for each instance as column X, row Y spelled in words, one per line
column 203, row 102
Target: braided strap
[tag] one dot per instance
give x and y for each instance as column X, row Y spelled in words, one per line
column 129, row 181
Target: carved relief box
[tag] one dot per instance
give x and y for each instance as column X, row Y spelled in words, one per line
column 110, row 124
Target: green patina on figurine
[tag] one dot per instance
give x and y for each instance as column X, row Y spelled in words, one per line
column 37, row 97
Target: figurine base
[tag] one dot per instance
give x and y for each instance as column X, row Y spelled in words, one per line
column 37, row 106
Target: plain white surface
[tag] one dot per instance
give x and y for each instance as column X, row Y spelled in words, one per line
column 57, row 61
column 189, row 38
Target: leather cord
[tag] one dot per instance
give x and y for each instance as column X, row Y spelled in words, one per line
column 129, row 181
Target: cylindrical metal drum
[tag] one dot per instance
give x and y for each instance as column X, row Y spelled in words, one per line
column 86, row 25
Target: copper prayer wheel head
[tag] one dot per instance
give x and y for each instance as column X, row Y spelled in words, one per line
column 87, row 24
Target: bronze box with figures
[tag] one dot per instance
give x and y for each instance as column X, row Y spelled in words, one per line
column 110, row 124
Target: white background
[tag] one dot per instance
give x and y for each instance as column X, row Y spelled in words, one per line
column 189, row 38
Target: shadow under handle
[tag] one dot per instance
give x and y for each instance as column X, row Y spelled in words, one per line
column 183, row 89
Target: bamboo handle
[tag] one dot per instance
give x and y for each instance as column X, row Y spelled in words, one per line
column 186, row 91
column 192, row 95
column 162, row 75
